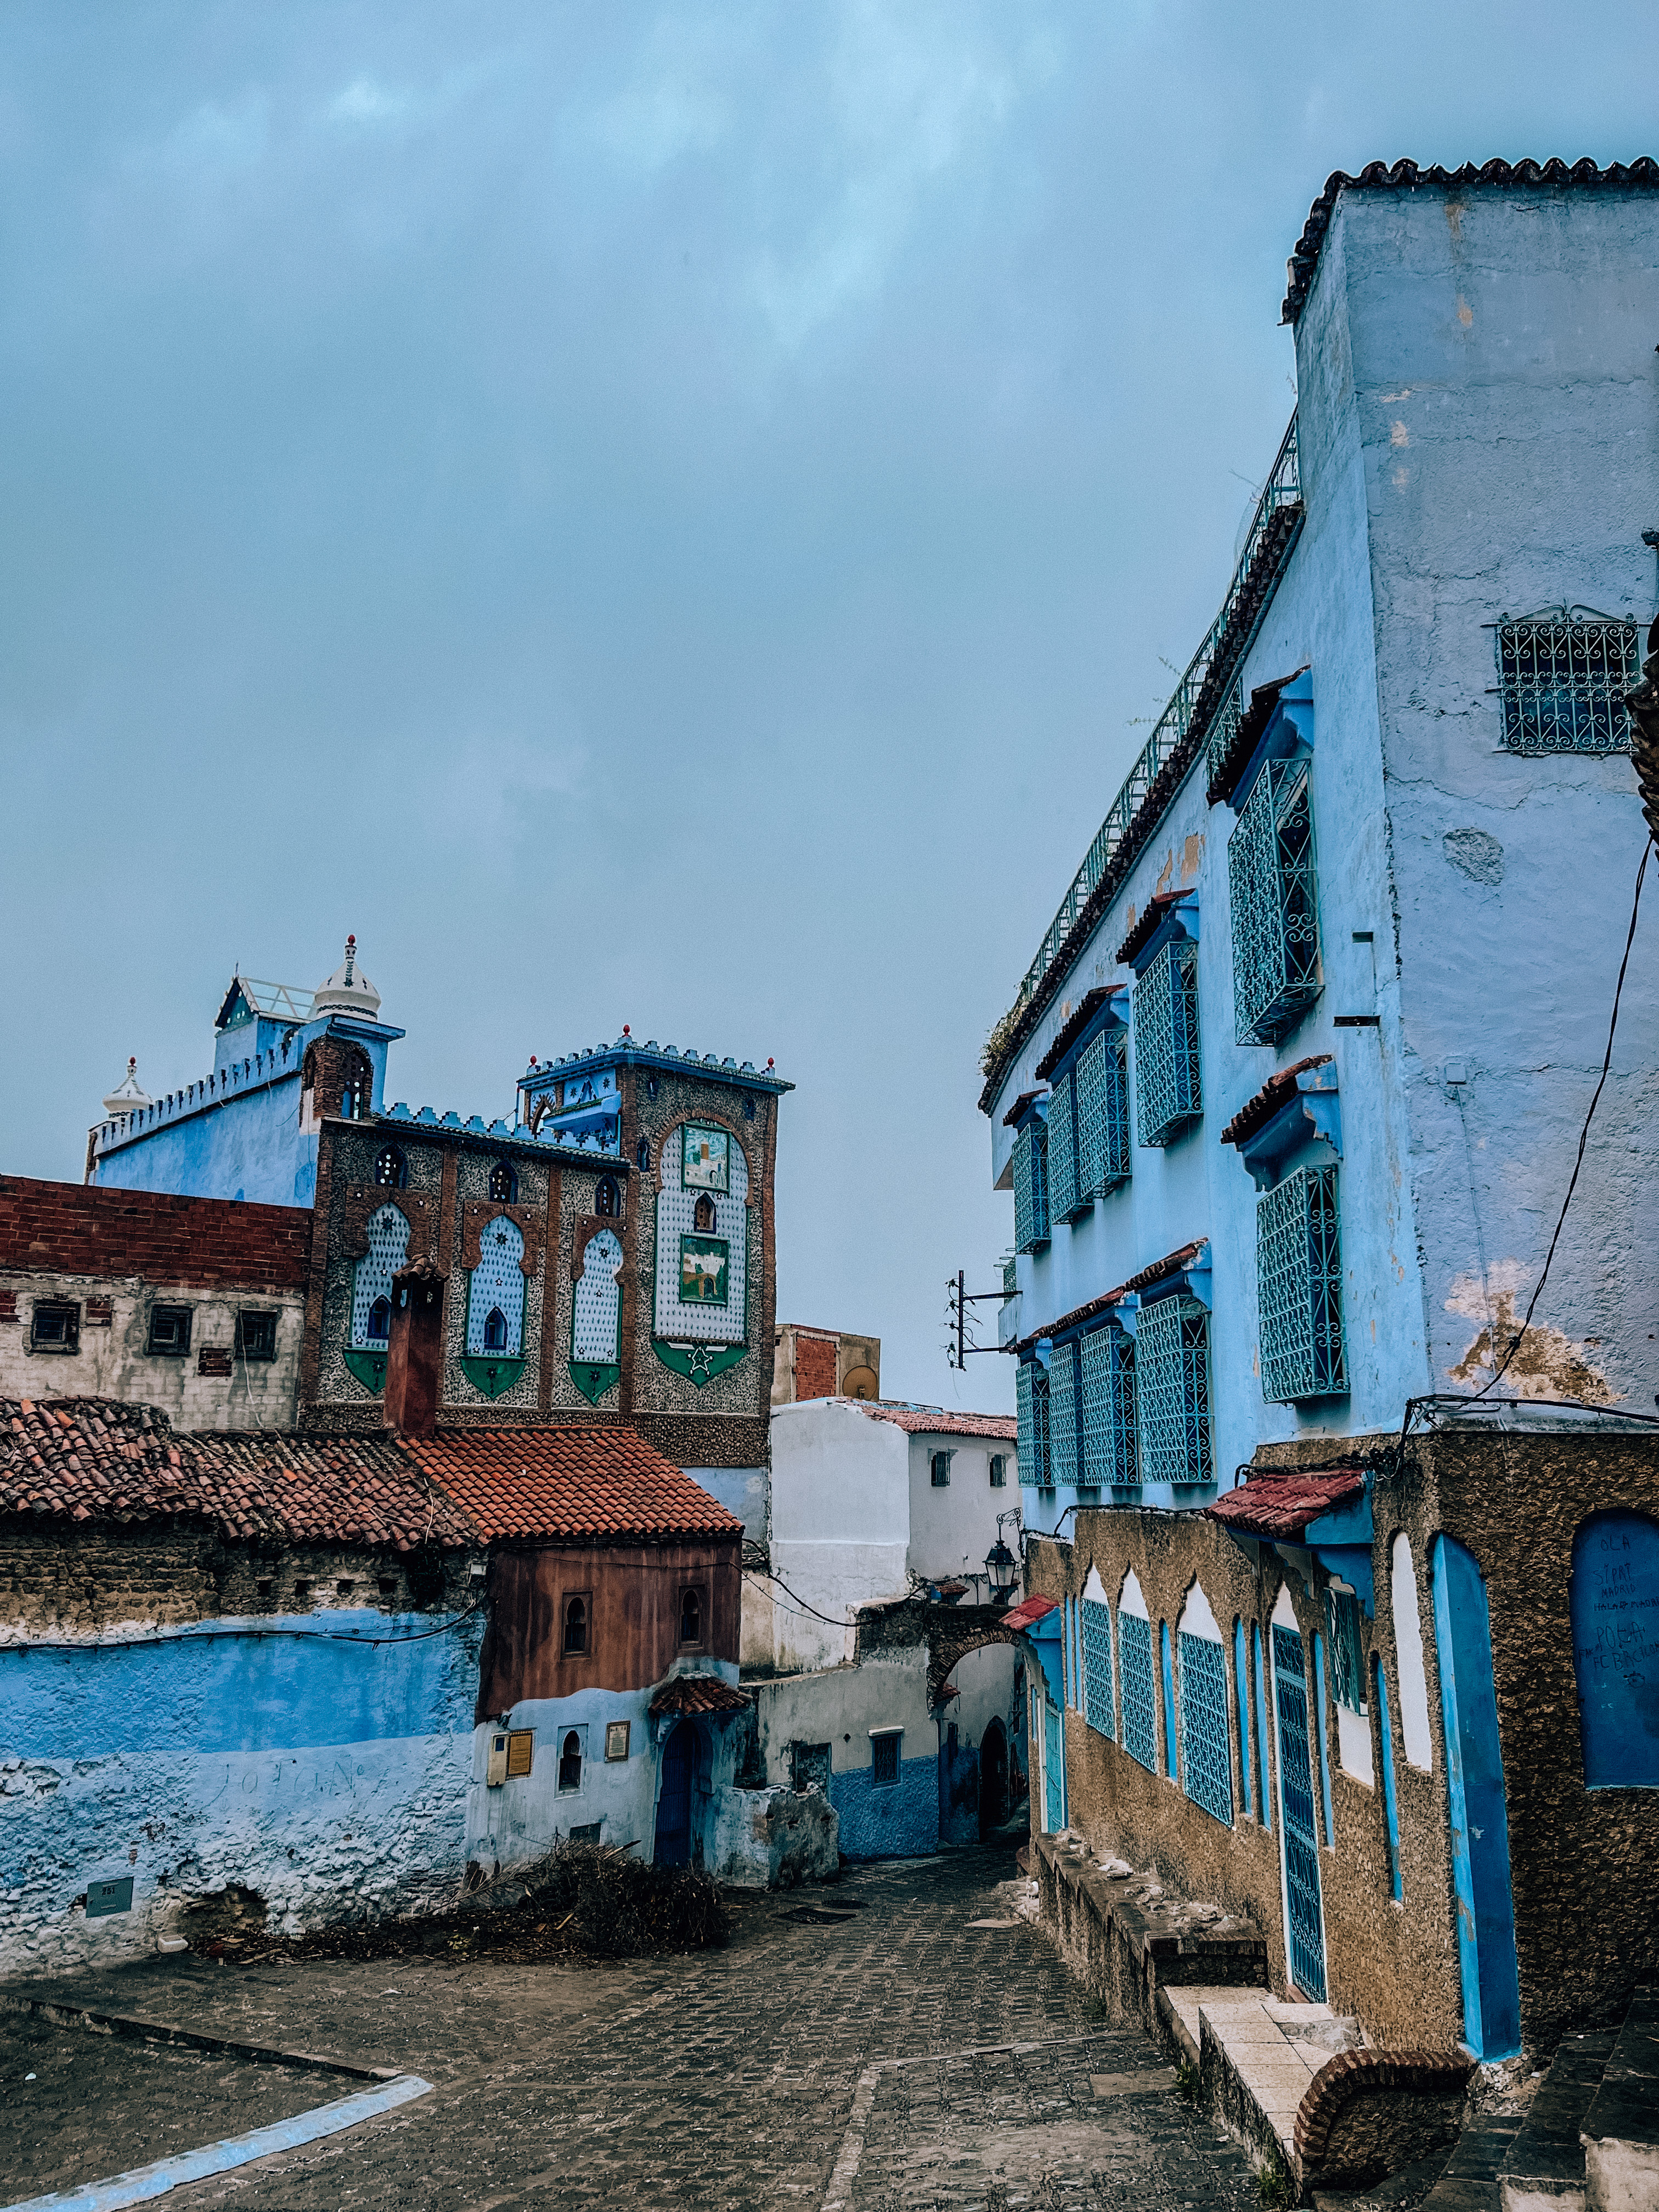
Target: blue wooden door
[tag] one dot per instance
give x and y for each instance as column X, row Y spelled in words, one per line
column 1306, row 1935
column 1054, row 1767
column 673, row 1844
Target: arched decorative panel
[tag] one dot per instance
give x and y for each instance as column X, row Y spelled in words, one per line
column 595, row 1317
column 700, row 1319
column 497, row 1287
column 388, row 1243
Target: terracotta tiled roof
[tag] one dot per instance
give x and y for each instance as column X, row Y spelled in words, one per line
column 1172, row 1264
column 83, row 1459
column 1157, row 907
column 699, row 1693
column 1404, row 176
column 1278, row 1091
column 1088, row 1006
column 1027, row 1615
column 1282, row 1506
column 1251, row 723
column 1019, row 1108
column 575, row 1482
column 933, row 1421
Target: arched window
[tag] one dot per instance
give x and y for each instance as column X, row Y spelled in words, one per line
column 748, row 1108
column 607, row 1202
column 702, row 1217
column 642, row 1154
column 570, row 1762
column 692, row 1617
column 503, row 1183
column 495, row 1297
column 391, row 1168
column 575, row 1624
column 371, row 1289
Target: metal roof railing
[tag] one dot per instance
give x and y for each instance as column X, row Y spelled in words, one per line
column 1213, row 665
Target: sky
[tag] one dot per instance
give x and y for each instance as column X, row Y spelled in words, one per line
column 676, row 516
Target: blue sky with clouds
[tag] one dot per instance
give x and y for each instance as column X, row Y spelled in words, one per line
column 675, row 516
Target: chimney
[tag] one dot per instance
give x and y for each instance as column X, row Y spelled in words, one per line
column 415, row 1349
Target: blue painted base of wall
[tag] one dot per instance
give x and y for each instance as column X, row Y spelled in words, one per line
column 958, row 1795
column 899, row 1821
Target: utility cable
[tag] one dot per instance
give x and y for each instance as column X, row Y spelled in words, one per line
column 1583, row 1135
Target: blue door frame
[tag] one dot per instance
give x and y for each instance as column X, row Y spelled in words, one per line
column 1478, row 1809
column 1304, row 1933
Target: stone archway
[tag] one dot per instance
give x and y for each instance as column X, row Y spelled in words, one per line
column 950, row 1631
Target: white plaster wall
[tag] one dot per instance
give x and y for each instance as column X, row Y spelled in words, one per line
column 815, row 1590
column 953, row 1529
column 840, row 1525
column 1408, row 1656
column 112, row 1361
column 840, row 1705
column 986, row 1679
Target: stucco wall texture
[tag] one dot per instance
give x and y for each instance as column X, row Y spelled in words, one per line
column 1587, row 1915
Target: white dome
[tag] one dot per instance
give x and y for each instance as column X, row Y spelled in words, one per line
column 129, row 1096
column 348, row 990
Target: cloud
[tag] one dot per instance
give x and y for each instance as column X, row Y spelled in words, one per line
column 366, row 101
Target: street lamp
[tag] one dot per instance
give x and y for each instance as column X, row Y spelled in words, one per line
column 1003, row 1568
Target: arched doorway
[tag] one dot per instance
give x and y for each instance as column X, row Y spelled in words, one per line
column 674, row 1841
column 992, row 1781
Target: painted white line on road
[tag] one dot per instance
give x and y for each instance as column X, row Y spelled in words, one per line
column 147, row 2181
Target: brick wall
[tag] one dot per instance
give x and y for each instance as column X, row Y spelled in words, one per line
column 815, row 1366
column 84, row 1230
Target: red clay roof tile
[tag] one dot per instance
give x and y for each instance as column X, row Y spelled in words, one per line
column 582, row 1482
column 1281, row 1505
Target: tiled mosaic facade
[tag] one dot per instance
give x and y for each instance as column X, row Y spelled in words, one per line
column 681, row 1314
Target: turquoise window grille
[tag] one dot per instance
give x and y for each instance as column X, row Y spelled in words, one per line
column 1168, row 1090
column 1298, row 1267
column 1323, row 1733
column 1053, row 1765
column 1031, row 1187
column 1097, row 1668
column 1562, row 682
column 1305, row 1933
column 1271, row 875
column 1108, row 1399
column 1390, row 1806
column 1031, row 1405
column 1262, row 1738
column 1342, row 1618
column 1105, row 1154
column 1065, row 1199
column 495, row 1298
column 1064, row 1464
column 1172, row 1391
column 1241, row 1693
column 1134, row 1652
column 1206, row 1752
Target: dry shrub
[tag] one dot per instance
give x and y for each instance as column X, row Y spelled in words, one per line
column 621, row 1909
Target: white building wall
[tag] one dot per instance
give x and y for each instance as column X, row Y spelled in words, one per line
column 840, row 1525
column 953, row 1529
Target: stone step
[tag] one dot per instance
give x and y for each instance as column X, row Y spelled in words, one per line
column 1620, row 2129
column 1469, row 2182
column 1544, row 2171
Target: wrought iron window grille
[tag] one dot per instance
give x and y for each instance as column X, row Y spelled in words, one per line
column 1065, row 1200
column 1342, row 1617
column 1107, row 1403
column 1172, row 1391
column 1305, row 1933
column 1206, row 1761
column 1031, row 1405
column 1031, row 1186
column 1223, row 730
column 1097, row 1710
column 1562, row 677
column 1275, row 909
column 1299, row 1261
column 1169, row 1090
column 1134, row 1650
column 1064, row 1431
column 1105, row 1152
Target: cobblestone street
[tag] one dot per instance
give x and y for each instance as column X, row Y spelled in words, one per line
column 898, row 2058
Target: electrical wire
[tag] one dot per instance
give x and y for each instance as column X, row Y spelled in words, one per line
column 208, row 1631
column 750, row 1573
column 1583, row 1136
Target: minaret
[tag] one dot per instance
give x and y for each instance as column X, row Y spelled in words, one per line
column 128, row 1097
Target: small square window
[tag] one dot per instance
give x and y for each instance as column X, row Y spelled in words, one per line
column 999, row 1471
column 941, row 1469
column 169, row 1330
column 256, row 1335
column 55, row 1326
column 884, row 1757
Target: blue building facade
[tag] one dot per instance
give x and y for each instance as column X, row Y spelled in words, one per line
column 1327, row 1410
column 1290, row 1093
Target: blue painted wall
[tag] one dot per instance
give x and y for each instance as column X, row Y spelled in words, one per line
column 327, row 1774
column 1476, row 389
column 895, row 1820
column 1615, row 1649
